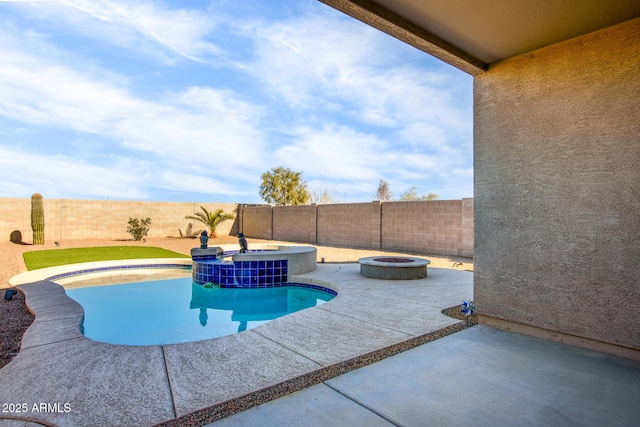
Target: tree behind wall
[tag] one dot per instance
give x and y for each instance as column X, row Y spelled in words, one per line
column 412, row 195
column 323, row 196
column 384, row 193
column 282, row 186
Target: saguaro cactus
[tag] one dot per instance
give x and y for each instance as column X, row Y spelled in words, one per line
column 37, row 219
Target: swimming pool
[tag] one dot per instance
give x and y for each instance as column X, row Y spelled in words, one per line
column 178, row 310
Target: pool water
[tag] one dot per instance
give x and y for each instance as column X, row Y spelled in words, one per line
column 178, row 310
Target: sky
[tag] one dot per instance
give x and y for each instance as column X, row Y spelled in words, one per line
column 193, row 101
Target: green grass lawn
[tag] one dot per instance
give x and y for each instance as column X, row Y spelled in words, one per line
column 50, row 258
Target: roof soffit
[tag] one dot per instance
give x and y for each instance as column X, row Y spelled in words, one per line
column 470, row 34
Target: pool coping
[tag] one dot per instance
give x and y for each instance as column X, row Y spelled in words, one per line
column 57, row 272
column 365, row 337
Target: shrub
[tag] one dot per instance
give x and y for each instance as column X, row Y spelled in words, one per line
column 189, row 233
column 138, row 228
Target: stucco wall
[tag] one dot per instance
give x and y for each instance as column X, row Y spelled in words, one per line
column 67, row 219
column 557, row 188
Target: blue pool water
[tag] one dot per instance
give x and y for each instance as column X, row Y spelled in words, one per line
column 178, row 310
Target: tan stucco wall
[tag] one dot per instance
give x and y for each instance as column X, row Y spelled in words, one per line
column 67, row 219
column 557, row 188
column 442, row 227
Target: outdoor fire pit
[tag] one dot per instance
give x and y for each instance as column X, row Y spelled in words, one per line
column 393, row 268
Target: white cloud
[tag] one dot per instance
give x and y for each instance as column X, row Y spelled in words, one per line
column 353, row 162
column 209, row 130
column 40, row 93
column 300, row 57
column 404, row 123
column 201, row 123
column 334, row 151
column 318, row 59
column 63, row 176
column 184, row 181
column 146, row 27
column 337, row 107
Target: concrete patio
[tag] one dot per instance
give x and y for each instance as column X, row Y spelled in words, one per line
column 199, row 382
column 480, row 376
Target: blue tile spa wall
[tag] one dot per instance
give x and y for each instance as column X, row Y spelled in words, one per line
column 240, row 274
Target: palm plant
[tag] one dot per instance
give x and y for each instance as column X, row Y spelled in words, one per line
column 210, row 219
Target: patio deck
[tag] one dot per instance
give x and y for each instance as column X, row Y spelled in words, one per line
column 477, row 377
column 199, row 382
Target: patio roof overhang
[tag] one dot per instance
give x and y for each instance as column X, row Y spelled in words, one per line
column 471, row 34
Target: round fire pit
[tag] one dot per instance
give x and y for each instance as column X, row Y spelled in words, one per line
column 393, row 268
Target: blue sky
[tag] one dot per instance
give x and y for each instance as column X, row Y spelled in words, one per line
column 193, row 101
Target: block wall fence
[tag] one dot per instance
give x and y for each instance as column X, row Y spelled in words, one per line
column 67, row 219
column 440, row 227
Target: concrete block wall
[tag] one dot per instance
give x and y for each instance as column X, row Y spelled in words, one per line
column 354, row 225
column 466, row 234
column 295, row 223
column 405, row 226
column 15, row 215
column 429, row 227
column 67, row 219
column 442, row 227
column 257, row 222
column 557, row 200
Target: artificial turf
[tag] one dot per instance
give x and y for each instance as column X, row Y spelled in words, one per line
column 52, row 257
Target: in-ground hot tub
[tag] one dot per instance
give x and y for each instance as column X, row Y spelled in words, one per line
column 264, row 265
column 393, row 268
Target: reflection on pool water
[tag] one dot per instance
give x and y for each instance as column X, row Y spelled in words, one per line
column 178, row 310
